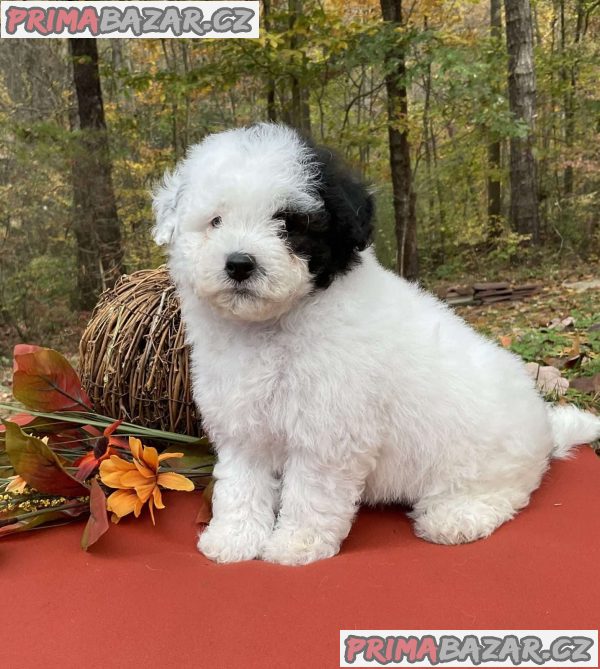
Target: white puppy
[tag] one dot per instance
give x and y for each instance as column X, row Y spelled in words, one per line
column 323, row 379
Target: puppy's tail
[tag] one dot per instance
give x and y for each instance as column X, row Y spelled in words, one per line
column 571, row 427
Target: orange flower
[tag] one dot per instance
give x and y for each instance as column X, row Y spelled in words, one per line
column 17, row 484
column 138, row 482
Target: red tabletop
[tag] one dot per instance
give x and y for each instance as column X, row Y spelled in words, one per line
column 145, row 597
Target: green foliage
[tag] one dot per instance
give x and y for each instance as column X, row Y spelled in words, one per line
column 536, row 345
column 162, row 95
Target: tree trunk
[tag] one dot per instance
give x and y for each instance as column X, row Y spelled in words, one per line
column 494, row 192
column 407, row 262
column 299, row 112
column 522, row 99
column 570, row 87
column 271, row 108
column 95, row 221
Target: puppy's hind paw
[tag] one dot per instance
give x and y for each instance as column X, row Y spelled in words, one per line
column 461, row 519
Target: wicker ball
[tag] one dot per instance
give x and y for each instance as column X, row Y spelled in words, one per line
column 133, row 360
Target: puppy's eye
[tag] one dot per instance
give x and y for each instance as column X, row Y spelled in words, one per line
column 216, row 222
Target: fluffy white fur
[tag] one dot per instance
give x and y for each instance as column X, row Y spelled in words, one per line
column 369, row 390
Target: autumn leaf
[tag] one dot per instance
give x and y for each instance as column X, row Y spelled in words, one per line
column 205, row 511
column 587, row 384
column 34, row 461
column 43, row 380
column 547, row 379
column 97, row 524
column 21, row 419
column 37, row 423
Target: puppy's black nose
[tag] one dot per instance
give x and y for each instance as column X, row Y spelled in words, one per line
column 239, row 266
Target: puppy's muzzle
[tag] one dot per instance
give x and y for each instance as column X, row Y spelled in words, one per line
column 240, row 266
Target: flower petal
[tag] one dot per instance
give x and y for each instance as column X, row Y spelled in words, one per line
column 139, row 505
column 157, row 498
column 134, row 479
column 150, row 457
column 122, row 502
column 118, row 442
column 115, row 463
column 145, row 471
column 135, row 446
column 145, row 490
column 168, row 456
column 174, row 481
column 17, row 484
column 151, row 507
column 111, row 428
column 114, row 480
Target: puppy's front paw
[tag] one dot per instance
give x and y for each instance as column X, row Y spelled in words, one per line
column 294, row 547
column 230, row 543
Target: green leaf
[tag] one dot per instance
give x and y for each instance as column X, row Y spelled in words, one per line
column 193, row 456
column 97, row 524
column 38, row 464
column 28, row 524
column 30, row 521
column 97, row 420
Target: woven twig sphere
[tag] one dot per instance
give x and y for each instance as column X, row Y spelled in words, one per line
column 133, row 360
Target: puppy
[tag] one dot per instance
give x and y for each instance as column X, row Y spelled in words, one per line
column 325, row 380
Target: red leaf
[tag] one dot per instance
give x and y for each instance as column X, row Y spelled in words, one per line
column 21, row 419
column 97, row 524
column 37, row 424
column 38, row 465
column 119, row 442
column 66, row 439
column 43, row 380
column 108, row 431
column 90, row 429
column 86, row 464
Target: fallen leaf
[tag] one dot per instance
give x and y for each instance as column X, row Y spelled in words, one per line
column 506, row 341
column 580, row 286
column 547, row 379
column 559, row 325
column 587, row 384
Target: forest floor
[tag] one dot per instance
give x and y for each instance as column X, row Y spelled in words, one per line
column 558, row 327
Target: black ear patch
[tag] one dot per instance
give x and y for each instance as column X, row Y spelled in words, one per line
column 332, row 237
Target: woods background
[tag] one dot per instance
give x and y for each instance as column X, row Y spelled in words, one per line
column 477, row 123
